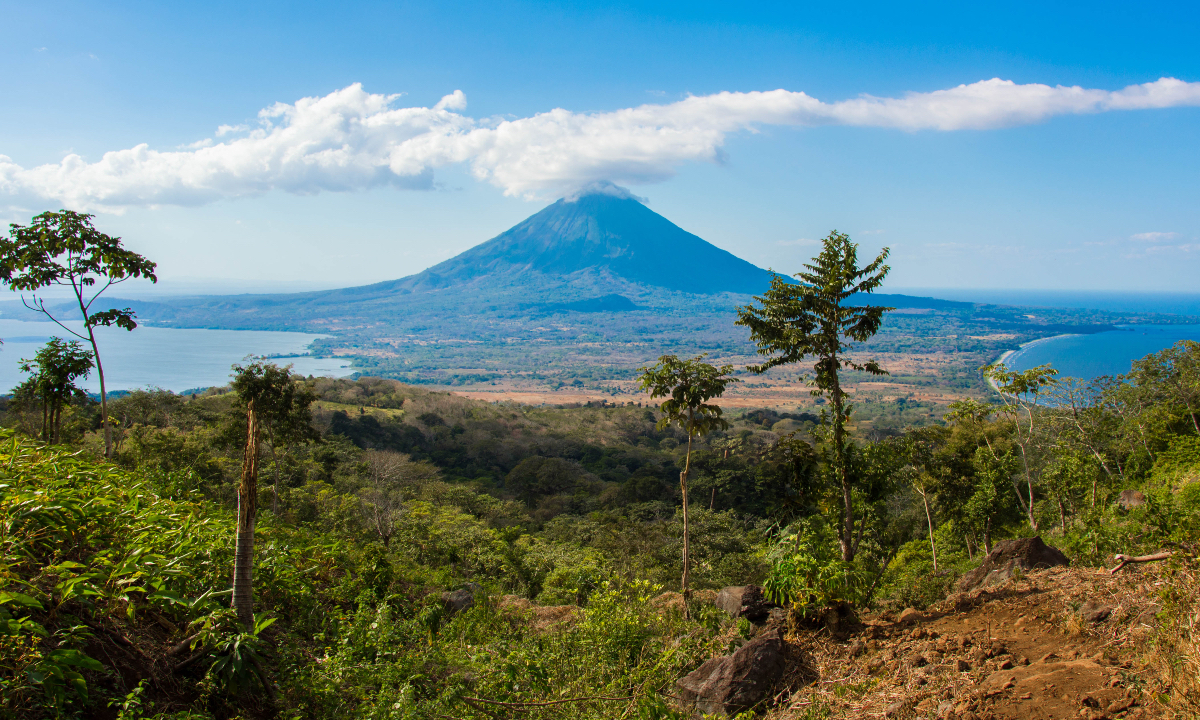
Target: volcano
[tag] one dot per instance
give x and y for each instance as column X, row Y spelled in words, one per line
column 603, row 232
column 602, row 252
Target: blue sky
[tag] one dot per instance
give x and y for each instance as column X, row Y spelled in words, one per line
column 994, row 186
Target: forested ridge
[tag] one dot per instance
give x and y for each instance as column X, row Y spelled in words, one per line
column 562, row 524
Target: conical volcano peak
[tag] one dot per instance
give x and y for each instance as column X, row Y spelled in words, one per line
column 603, row 187
column 605, row 229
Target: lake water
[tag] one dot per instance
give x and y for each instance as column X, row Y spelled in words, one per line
column 169, row 358
column 1106, row 353
column 1173, row 303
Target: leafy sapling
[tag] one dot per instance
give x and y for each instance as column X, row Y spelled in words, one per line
column 690, row 384
column 66, row 250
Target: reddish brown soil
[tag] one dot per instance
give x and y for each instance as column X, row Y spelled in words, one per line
column 1023, row 650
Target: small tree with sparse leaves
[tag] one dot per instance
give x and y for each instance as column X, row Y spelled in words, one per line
column 690, row 384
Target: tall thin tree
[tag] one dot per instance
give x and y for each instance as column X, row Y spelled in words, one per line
column 1020, row 391
column 271, row 398
column 810, row 319
column 65, row 249
column 690, row 385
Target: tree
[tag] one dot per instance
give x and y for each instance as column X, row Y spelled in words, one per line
column 920, row 446
column 1174, row 374
column 390, row 479
column 690, row 385
column 794, row 321
column 276, row 403
column 53, row 371
column 65, row 249
column 990, row 467
column 1019, row 391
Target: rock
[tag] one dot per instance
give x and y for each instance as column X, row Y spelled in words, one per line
column 1119, row 706
column 461, row 599
column 963, row 665
column 909, row 616
column 1130, row 499
column 1007, row 557
column 894, row 709
column 735, row 683
column 1095, row 612
column 837, row 618
column 856, row 648
column 744, row 601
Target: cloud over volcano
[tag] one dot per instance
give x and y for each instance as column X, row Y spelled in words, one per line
column 351, row 139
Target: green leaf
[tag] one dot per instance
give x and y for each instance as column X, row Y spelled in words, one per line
column 19, row 599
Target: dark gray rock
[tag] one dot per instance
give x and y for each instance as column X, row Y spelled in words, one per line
column 461, row 599
column 745, row 601
column 1130, row 499
column 735, row 683
column 1007, row 557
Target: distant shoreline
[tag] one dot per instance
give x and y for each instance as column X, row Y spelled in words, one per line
column 1021, row 348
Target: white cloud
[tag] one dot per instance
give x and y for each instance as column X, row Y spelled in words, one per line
column 351, row 139
column 1154, row 236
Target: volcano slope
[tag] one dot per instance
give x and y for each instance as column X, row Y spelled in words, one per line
column 1056, row 643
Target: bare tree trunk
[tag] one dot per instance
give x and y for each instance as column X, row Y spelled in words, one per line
column 1029, row 483
column 103, row 395
column 45, row 419
column 987, row 536
column 847, row 530
column 275, row 487
column 929, row 523
column 243, row 559
column 683, row 485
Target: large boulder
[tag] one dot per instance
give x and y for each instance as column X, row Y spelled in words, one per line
column 745, row 601
column 726, row 686
column 462, row 598
column 1008, row 556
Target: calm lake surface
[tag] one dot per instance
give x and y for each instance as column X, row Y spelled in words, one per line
column 1106, row 353
column 169, row 358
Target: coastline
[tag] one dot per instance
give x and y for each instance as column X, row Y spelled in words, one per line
column 1008, row 354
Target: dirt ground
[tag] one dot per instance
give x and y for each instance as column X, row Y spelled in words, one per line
column 779, row 389
column 1058, row 643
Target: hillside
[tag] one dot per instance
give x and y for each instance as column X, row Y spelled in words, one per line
column 423, row 555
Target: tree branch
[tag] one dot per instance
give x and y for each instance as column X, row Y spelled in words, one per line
column 1123, row 560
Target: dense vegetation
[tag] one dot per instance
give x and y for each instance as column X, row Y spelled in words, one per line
column 566, row 518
